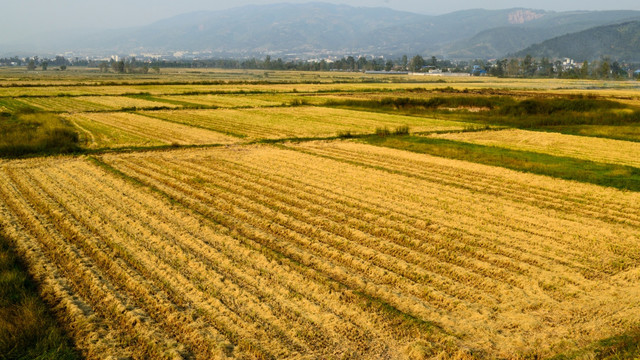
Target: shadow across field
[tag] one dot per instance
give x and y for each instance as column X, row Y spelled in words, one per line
column 27, row 329
column 624, row 346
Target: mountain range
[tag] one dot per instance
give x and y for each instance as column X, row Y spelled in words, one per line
column 315, row 29
column 618, row 41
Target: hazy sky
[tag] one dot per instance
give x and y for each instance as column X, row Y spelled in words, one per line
column 21, row 18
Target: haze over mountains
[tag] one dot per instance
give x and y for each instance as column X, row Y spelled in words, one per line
column 315, row 30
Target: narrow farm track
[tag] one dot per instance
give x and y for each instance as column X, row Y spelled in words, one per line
column 321, row 249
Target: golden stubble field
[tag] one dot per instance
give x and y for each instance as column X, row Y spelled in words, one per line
column 233, row 248
column 322, row 249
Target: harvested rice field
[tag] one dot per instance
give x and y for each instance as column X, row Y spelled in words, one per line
column 283, row 252
column 234, row 215
column 303, row 121
column 105, row 129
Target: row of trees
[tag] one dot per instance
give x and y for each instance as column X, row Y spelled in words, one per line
column 129, row 66
column 347, row 63
column 523, row 68
column 33, row 63
column 529, row 67
column 526, row 67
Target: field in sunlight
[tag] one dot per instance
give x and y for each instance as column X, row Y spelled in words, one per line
column 285, row 215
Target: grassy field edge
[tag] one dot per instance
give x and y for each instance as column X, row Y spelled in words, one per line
column 610, row 175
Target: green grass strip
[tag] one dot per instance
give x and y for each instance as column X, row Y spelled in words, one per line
column 616, row 176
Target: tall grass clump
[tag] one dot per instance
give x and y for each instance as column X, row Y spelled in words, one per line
column 298, row 102
column 553, row 106
column 383, row 131
column 531, row 113
column 28, row 131
column 405, row 103
column 401, row 130
column 345, row 134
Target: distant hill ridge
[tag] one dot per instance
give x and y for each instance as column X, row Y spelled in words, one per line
column 318, row 29
column 504, row 40
column 617, row 42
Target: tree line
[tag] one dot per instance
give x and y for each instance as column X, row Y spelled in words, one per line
column 347, row 63
column 527, row 67
column 35, row 62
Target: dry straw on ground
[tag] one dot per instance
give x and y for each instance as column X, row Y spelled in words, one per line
column 322, row 249
column 126, row 129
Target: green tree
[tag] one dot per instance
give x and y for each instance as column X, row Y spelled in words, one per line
column 388, row 65
column 529, row 66
column 500, row 68
column 32, row 65
column 362, row 63
column 584, row 70
column 279, row 64
column 44, row 65
column 559, row 70
column 118, row 66
column 546, row 67
column 604, row 70
column 417, row 62
column 267, row 62
column 617, row 71
column 376, row 64
column 513, row 69
column 351, row 63
column 404, row 61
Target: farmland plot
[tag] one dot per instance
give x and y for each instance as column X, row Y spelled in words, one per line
column 299, row 121
column 98, row 135
column 225, row 101
column 580, row 147
column 271, row 252
column 90, row 103
column 63, row 103
column 265, row 99
column 10, row 105
column 119, row 102
column 55, row 91
column 126, row 129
